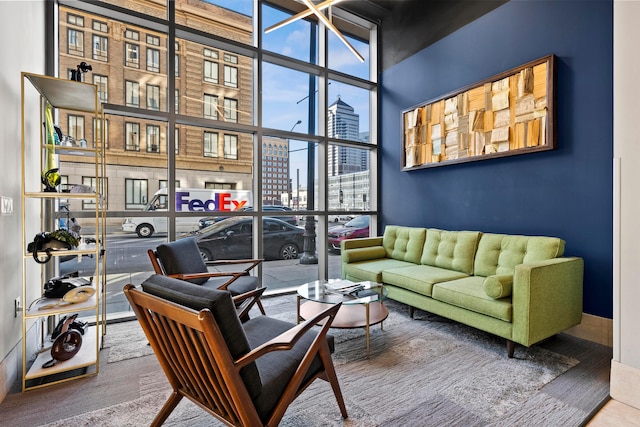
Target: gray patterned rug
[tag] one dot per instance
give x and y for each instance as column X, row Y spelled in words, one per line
column 421, row 372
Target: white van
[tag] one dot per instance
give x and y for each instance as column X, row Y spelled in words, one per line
column 187, row 200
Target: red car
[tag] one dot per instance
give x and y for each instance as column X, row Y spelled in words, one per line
column 357, row 227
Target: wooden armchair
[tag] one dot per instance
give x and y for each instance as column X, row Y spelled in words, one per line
column 181, row 259
column 244, row 374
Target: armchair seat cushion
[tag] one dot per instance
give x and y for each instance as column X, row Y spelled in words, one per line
column 241, row 285
column 277, row 368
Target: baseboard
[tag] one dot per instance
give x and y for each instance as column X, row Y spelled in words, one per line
column 595, row 329
column 624, row 384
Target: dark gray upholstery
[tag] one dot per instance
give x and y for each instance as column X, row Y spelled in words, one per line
column 265, row 379
column 183, row 257
column 276, row 369
column 221, row 306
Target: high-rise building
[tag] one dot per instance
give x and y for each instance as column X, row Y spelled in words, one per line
column 344, row 123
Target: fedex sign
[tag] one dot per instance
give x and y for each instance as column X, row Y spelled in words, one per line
column 223, row 201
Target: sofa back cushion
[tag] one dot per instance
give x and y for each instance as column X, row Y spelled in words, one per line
column 453, row 250
column 404, row 243
column 500, row 253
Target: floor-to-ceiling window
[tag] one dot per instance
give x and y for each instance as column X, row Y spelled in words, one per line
column 205, row 96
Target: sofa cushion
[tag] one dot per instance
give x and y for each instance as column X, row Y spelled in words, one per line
column 468, row 293
column 453, row 250
column 371, row 270
column 500, row 253
column 404, row 243
column 363, row 254
column 419, row 278
column 498, row 286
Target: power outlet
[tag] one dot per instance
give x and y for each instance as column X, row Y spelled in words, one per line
column 17, row 307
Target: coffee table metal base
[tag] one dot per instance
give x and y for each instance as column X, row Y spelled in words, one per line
column 349, row 316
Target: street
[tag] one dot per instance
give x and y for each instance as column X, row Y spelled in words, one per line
column 127, row 261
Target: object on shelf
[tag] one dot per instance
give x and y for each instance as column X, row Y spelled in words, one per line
column 57, row 287
column 47, row 242
column 74, row 296
column 50, row 176
column 67, row 344
column 75, row 324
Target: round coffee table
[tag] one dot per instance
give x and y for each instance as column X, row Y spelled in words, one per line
column 361, row 308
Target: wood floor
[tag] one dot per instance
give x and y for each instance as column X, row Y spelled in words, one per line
column 585, row 387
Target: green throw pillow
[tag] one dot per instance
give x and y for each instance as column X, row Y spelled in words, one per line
column 498, row 286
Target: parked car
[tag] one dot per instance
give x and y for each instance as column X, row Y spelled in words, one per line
column 341, row 217
column 205, row 222
column 357, row 227
column 232, row 238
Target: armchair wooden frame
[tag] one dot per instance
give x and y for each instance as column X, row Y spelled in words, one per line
column 233, row 275
column 199, row 366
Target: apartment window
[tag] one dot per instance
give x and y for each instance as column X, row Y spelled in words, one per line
column 97, row 129
column 76, row 127
column 177, row 100
column 75, row 42
column 100, row 48
column 132, row 35
column 132, row 136
column 210, row 107
column 231, row 110
column 219, row 186
column 153, row 60
column 153, row 97
column 153, row 139
column 100, row 26
column 232, row 59
column 132, row 58
column 163, row 183
column 153, row 40
column 103, row 84
column 177, row 66
column 210, row 53
column 231, row 146
column 99, row 185
column 210, row 71
column 210, row 144
column 176, row 140
column 136, row 193
column 132, row 94
column 230, row 76
column 75, row 20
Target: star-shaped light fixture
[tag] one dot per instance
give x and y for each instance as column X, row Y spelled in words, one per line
column 316, row 10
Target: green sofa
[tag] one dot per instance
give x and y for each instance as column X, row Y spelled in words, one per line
column 520, row 288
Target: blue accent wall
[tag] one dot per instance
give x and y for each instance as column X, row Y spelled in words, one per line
column 565, row 192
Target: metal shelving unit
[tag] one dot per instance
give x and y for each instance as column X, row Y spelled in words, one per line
column 36, row 318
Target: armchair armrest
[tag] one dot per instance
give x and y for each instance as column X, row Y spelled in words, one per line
column 547, row 298
column 253, row 262
column 288, row 339
column 245, row 302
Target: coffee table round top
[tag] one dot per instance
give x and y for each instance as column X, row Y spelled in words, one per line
column 334, row 291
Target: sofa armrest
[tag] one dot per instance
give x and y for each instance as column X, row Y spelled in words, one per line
column 366, row 248
column 547, row 298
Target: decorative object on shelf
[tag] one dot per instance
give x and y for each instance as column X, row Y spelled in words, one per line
column 50, row 176
column 74, row 296
column 83, row 67
column 508, row 114
column 67, row 344
column 57, row 287
column 75, row 324
column 54, row 241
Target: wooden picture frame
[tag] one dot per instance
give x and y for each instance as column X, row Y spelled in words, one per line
column 508, row 114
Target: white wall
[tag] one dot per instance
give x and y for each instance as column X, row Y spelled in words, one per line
column 22, row 49
column 625, row 373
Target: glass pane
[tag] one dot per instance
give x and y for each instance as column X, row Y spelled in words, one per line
column 157, row 9
column 348, row 179
column 348, row 113
column 344, row 227
column 226, row 18
column 342, row 59
column 301, row 167
column 215, row 84
column 294, row 39
column 289, row 96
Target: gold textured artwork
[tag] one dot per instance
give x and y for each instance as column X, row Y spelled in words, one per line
column 511, row 113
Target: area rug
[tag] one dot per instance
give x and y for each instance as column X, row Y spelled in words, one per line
column 421, row 372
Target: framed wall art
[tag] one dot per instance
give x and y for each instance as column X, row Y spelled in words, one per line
column 507, row 114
